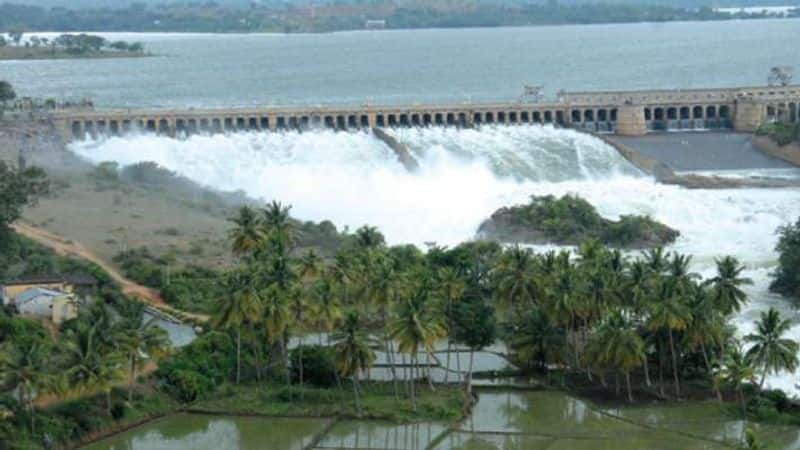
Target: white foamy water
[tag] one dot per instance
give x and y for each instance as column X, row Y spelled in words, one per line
column 353, row 179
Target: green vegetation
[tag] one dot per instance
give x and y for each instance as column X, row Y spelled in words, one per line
column 66, row 46
column 334, row 16
column 377, row 402
column 7, row 94
column 781, row 133
column 787, row 276
column 570, row 220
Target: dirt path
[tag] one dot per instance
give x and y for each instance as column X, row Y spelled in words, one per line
column 65, row 247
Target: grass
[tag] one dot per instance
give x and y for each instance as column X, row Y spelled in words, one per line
column 81, row 420
column 378, row 402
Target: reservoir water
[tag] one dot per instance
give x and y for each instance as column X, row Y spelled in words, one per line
column 455, row 65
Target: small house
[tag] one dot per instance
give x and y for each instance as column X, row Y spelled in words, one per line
column 57, row 306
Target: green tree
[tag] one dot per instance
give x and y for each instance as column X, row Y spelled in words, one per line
column 516, row 284
column 474, row 326
column 787, row 276
column 417, row 324
column 726, row 286
column 354, row 353
column 669, row 313
column 92, row 365
column 246, row 234
column 619, row 345
column 735, row 372
column 771, row 351
column 242, row 305
column 27, row 366
column 140, row 340
column 18, row 188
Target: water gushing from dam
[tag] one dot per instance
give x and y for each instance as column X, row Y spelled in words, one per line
column 354, row 179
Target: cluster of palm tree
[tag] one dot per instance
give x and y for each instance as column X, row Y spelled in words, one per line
column 87, row 356
column 368, row 298
column 599, row 312
column 594, row 311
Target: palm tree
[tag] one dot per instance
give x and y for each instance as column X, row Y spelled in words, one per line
column 277, row 225
column 726, row 290
column 416, row 325
column 735, row 372
column 617, row 344
column 139, row 340
column 771, row 351
column 90, row 366
column 707, row 328
column 246, row 236
column 26, row 366
column 326, row 303
column 516, row 284
column 538, row 339
column 668, row 312
column 368, row 237
column 277, row 316
column 354, row 352
column 243, row 305
column 300, row 312
column 451, row 287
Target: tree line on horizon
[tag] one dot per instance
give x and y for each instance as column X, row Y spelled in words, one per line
column 335, row 16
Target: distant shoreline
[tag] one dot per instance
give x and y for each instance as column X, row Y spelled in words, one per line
column 13, row 53
column 268, row 32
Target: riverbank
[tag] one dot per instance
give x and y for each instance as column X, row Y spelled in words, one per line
column 14, row 53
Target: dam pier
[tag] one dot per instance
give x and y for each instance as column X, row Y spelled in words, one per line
column 626, row 113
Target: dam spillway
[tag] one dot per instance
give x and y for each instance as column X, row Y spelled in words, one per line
column 627, row 113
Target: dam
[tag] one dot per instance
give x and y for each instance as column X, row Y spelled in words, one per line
column 626, row 113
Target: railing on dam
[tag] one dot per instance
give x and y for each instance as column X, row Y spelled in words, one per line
column 735, row 108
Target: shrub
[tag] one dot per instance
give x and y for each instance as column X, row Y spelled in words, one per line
column 197, row 369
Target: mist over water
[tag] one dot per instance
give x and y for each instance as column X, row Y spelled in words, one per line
column 353, row 179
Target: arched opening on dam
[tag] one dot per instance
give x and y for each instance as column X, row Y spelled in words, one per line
column 352, row 121
column 477, row 119
column 793, row 113
column 426, row 120
column 501, row 117
column 512, row 117
column 404, row 120
column 380, row 121
column 415, row 120
column 548, row 117
column 537, row 117
column 525, row 117
column 392, row 120
column 330, row 122
column 576, row 116
column 451, row 119
column 489, row 118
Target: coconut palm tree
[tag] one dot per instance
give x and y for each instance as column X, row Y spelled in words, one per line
column 354, row 354
column 140, row 340
column 617, row 344
column 325, row 300
column 233, row 312
column 277, row 317
column 736, row 371
column 368, row 237
column 516, row 285
column 91, row 367
column 726, row 287
column 246, row 235
column 706, row 329
column 771, row 351
column 668, row 312
column 277, row 225
column 451, row 288
column 417, row 324
column 301, row 314
column 538, row 339
column 27, row 366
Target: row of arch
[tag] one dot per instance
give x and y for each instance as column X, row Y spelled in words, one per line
column 783, row 112
column 302, row 122
column 677, row 117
